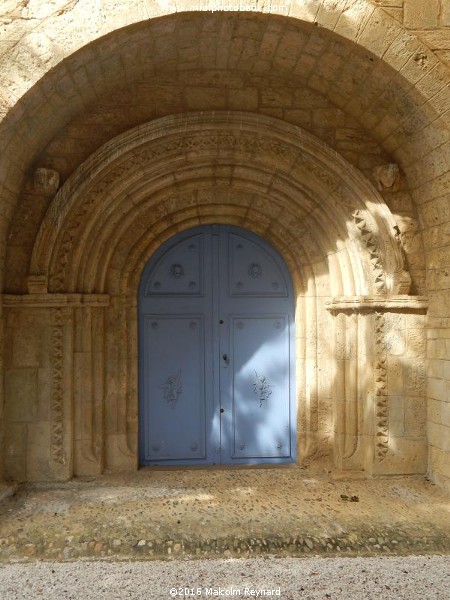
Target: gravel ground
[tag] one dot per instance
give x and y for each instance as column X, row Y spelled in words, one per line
column 230, row 514
column 387, row 578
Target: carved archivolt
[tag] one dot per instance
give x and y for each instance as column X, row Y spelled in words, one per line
column 298, row 174
column 173, row 173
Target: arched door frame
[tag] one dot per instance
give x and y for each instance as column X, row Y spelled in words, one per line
column 229, row 402
column 322, row 215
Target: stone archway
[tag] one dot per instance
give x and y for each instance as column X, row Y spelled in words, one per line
column 368, row 79
column 328, row 222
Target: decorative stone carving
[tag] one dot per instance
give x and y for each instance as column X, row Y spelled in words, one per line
column 57, row 425
column 381, row 399
column 211, row 135
column 401, row 277
column 40, row 300
column 46, row 180
column 418, row 304
column 387, row 177
column 371, row 244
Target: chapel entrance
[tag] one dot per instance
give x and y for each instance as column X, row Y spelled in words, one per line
column 216, row 358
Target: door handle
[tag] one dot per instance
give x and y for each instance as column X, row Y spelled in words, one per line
column 226, row 359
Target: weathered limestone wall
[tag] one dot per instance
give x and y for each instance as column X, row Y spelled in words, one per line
column 399, row 362
column 438, row 393
column 38, row 388
column 2, row 394
column 82, row 244
column 368, row 113
column 430, row 21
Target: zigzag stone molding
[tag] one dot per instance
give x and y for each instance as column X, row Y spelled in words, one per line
column 381, row 398
column 371, row 243
column 57, row 413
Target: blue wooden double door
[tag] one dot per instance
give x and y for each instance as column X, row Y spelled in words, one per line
column 216, row 351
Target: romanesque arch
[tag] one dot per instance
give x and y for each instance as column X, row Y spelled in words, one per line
column 331, row 225
column 354, row 78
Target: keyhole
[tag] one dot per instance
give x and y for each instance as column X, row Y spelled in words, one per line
column 222, row 410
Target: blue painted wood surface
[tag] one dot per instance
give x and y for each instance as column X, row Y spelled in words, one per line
column 216, row 351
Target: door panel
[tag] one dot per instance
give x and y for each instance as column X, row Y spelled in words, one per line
column 174, row 388
column 260, row 387
column 216, row 351
column 252, row 271
column 179, row 272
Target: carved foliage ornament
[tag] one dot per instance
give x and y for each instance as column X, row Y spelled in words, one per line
column 172, row 387
column 262, row 388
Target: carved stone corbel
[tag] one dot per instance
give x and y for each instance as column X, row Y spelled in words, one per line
column 46, row 180
column 387, row 177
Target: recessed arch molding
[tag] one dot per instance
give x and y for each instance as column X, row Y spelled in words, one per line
column 325, row 197
column 327, row 220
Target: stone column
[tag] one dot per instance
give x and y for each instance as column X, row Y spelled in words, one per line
column 88, row 367
column 308, row 431
column 121, row 385
column 379, row 396
column 347, row 397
